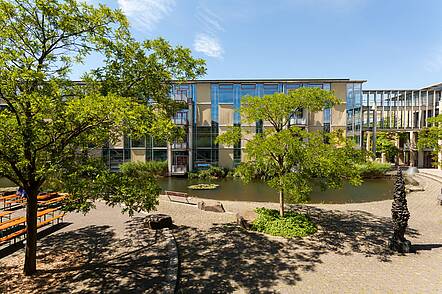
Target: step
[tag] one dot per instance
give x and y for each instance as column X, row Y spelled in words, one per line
column 430, row 176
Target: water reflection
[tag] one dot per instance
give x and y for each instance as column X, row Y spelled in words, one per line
column 370, row 190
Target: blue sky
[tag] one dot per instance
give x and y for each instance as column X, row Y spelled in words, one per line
column 392, row 44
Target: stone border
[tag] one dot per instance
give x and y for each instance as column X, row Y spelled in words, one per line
column 171, row 282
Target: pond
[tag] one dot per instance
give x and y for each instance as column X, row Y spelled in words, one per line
column 236, row 190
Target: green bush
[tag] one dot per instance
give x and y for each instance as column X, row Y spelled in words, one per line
column 155, row 168
column 212, row 173
column 291, row 225
column 373, row 169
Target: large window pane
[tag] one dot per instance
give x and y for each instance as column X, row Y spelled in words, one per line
column 226, row 94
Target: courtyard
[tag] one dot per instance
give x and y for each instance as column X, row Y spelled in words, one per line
column 108, row 252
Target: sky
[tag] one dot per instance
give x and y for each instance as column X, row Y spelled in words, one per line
column 394, row 44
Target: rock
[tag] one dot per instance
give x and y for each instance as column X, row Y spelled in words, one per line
column 401, row 246
column 409, row 188
column 201, row 205
column 439, row 199
column 158, row 221
column 218, row 207
column 242, row 222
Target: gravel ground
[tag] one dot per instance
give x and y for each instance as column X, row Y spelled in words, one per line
column 347, row 255
column 102, row 252
column 108, row 252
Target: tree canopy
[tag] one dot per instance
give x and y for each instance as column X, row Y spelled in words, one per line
column 289, row 158
column 430, row 137
column 386, row 143
column 51, row 124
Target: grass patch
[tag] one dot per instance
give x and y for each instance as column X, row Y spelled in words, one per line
column 291, row 225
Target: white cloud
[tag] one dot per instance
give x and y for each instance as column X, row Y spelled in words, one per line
column 207, row 41
column 210, row 21
column 145, row 14
column 208, row 45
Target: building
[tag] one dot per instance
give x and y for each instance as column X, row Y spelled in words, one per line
column 404, row 112
column 211, row 106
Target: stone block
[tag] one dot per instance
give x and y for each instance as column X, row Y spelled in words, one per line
column 158, row 221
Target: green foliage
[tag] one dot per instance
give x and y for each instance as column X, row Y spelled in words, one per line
column 430, row 137
column 372, row 169
column 278, row 108
column 155, row 168
column 386, row 143
column 88, row 180
column 291, row 159
column 51, row 123
column 290, row 225
column 212, row 173
column 203, row 186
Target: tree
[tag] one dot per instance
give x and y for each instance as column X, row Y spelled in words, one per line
column 290, row 159
column 51, row 125
column 386, row 143
column 400, row 216
column 431, row 137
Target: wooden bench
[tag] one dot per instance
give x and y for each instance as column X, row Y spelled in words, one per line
column 18, row 228
column 170, row 194
column 55, row 200
column 8, row 198
column 4, row 214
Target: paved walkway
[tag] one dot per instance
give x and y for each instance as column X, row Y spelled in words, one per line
column 102, row 252
column 347, row 255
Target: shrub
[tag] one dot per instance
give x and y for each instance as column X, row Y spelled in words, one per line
column 212, row 173
column 373, row 169
column 155, row 168
column 291, row 225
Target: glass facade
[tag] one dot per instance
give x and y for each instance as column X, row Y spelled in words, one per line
column 354, row 111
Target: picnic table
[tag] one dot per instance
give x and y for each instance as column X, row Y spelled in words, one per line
column 4, row 214
column 16, row 227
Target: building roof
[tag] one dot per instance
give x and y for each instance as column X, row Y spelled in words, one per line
column 437, row 86
column 313, row 80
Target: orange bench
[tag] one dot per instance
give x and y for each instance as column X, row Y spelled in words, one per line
column 5, row 213
column 20, row 221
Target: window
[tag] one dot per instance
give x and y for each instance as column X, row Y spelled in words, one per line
column 141, row 142
column 327, row 120
column 160, row 155
column 248, row 89
column 270, row 89
column 226, row 94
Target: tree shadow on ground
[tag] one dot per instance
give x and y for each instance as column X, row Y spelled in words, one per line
column 227, row 258
column 93, row 259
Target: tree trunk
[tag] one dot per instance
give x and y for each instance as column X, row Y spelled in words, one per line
column 281, row 203
column 30, row 267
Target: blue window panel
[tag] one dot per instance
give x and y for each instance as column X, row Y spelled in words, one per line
column 320, row 86
column 214, row 105
column 226, row 94
column 237, row 103
column 326, row 87
column 292, row 87
column 270, row 89
column 357, row 94
column 327, row 115
column 248, row 90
